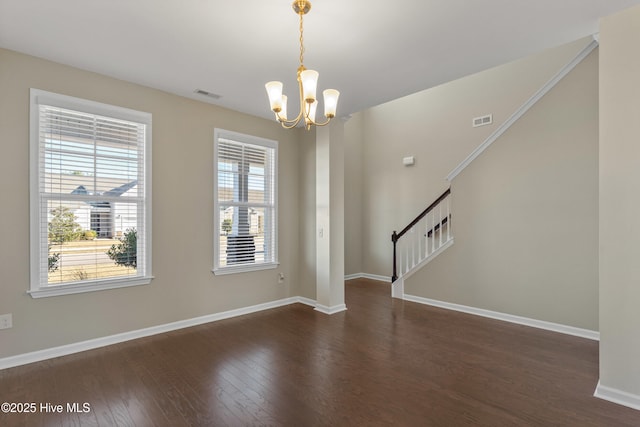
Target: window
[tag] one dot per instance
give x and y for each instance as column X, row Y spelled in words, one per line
column 245, row 203
column 90, row 195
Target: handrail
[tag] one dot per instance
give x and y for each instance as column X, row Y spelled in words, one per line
column 396, row 236
column 423, row 214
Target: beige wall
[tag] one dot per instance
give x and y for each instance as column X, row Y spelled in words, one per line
column 353, row 151
column 307, row 215
column 435, row 127
column 620, row 202
column 525, row 215
column 184, row 286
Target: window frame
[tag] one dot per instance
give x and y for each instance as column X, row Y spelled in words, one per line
column 38, row 289
column 252, row 140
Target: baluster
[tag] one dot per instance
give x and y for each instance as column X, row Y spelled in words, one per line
column 413, row 247
column 406, row 255
column 433, row 231
column 423, row 238
column 426, row 238
column 425, row 228
column 409, row 250
column 419, row 231
column 399, row 259
column 448, row 218
column 440, row 228
column 418, row 244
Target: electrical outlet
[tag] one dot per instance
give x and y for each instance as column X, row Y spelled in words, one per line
column 6, row 321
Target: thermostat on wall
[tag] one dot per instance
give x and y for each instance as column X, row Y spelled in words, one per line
column 408, row 161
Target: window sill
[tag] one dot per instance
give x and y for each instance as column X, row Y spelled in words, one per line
column 77, row 288
column 245, row 268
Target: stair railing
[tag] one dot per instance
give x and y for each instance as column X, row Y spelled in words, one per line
column 428, row 232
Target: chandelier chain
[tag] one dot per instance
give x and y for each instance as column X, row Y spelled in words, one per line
column 301, row 40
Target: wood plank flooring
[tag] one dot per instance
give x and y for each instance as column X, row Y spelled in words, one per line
column 383, row 362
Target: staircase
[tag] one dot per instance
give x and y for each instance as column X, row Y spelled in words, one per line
column 429, row 234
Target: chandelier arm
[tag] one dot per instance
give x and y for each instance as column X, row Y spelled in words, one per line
column 291, row 122
column 321, row 124
column 294, row 121
column 288, row 124
column 305, row 107
column 300, row 93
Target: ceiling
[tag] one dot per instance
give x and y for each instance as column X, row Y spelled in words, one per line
column 372, row 51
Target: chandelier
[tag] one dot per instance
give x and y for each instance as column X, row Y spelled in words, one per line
column 307, row 82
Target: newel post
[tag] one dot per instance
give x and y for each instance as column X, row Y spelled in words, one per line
column 394, row 239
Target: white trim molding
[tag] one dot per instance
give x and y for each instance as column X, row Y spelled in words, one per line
column 617, row 396
column 368, row 276
column 397, row 288
column 64, row 350
column 534, row 323
column 330, row 310
column 524, row 108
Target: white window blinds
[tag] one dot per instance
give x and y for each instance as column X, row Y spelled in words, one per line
column 245, row 198
column 91, row 208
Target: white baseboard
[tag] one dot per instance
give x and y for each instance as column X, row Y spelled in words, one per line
column 49, row 353
column 330, row 310
column 540, row 324
column 617, row 396
column 306, row 301
column 368, row 276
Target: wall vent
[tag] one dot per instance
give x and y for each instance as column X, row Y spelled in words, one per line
column 482, row 121
column 209, row 94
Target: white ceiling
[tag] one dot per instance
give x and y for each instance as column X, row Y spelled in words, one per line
column 371, row 50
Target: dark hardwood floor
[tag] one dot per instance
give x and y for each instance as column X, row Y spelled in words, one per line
column 382, row 362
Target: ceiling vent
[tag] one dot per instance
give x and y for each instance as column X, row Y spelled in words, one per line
column 209, row 94
column 482, row 121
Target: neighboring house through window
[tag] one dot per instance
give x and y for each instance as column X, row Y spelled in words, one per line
column 245, row 199
column 90, row 195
